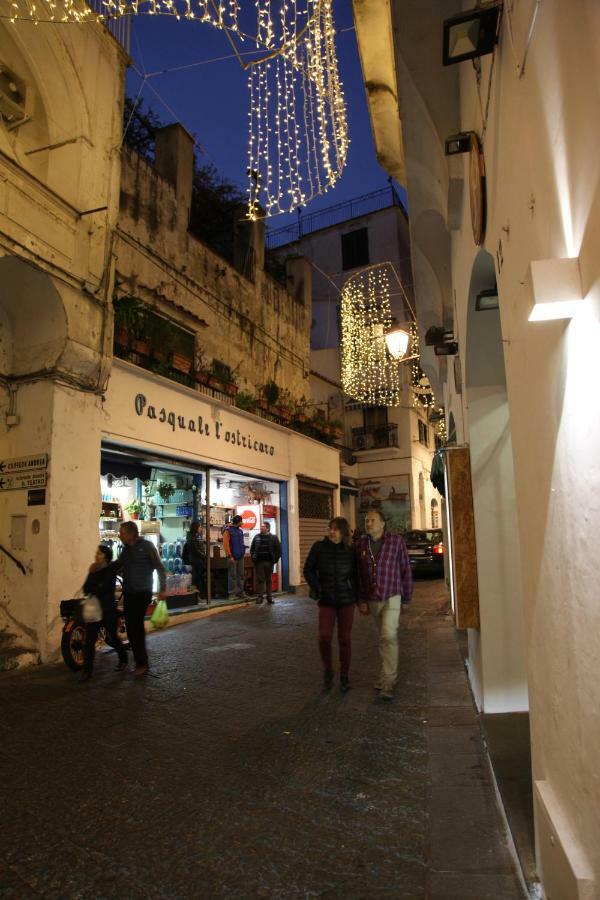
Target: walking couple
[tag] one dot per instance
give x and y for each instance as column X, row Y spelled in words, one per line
column 375, row 573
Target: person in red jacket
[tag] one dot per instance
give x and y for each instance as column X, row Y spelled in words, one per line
column 385, row 584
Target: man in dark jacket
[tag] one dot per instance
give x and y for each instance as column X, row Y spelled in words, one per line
column 265, row 552
column 233, row 544
column 137, row 562
column 330, row 571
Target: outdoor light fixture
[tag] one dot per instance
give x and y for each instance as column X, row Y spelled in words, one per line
column 557, row 290
column 472, row 34
column 458, row 143
column 397, row 342
column 449, row 349
column 487, row 300
column 437, row 335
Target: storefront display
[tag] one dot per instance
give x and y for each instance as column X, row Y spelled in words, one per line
column 165, row 499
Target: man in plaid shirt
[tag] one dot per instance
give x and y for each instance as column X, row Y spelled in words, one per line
column 385, row 583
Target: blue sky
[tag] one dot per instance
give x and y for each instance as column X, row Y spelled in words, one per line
column 211, row 99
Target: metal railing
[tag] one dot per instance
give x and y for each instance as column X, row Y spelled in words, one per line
column 118, row 26
column 379, row 438
column 333, row 215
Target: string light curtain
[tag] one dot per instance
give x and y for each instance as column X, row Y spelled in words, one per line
column 298, row 132
column 370, row 375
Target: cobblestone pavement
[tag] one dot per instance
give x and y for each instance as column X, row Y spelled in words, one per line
column 233, row 774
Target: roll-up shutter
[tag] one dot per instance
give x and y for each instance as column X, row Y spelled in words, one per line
column 315, row 504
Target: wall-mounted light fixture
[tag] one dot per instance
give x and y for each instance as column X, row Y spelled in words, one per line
column 487, row 300
column 397, row 342
column 448, row 349
column 458, row 143
column 472, row 34
column 557, row 290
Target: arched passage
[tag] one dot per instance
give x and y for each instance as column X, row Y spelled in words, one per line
column 497, row 651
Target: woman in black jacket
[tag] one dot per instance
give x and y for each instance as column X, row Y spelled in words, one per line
column 331, row 575
column 194, row 555
column 101, row 583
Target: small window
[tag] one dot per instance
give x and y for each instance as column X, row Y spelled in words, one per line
column 423, row 433
column 355, row 249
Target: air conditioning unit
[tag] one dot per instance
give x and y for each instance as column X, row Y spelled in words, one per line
column 14, row 99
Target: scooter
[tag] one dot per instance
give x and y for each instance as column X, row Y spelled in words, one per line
column 73, row 634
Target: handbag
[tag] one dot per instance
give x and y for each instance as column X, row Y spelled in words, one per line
column 160, row 616
column 91, row 609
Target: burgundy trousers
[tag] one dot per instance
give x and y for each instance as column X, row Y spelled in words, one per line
column 327, row 619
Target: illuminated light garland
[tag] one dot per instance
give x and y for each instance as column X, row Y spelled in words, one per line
column 297, row 108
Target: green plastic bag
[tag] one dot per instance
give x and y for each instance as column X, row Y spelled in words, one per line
column 160, row 616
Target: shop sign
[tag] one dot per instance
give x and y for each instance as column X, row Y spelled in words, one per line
column 23, row 480
column 170, row 418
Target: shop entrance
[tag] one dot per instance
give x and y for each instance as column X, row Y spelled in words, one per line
column 172, row 501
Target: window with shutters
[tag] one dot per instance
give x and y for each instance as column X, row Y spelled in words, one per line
column 355, row 249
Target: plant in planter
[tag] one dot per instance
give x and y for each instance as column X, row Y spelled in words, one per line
column 246, row 400
column 284, row 405
column 336, row 429
column 222, row 378
column 201, row 373
column 165, row 491
column 129, row 321
column 300, row 410
column 134, row 508
column 269, row 395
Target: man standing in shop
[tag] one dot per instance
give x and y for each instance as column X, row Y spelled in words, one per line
column 233, row 544
column 385, row 585
column 265, row 552
column 137, row 563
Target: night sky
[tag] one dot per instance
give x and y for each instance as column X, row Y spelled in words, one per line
column 211, row 100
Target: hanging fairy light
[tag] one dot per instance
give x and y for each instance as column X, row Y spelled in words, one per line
column 298, row 132
column 370, row 373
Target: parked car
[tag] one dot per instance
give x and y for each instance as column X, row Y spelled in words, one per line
column 426, row 551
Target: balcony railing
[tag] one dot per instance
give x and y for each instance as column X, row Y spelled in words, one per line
column 379, row 438
column 118, row 26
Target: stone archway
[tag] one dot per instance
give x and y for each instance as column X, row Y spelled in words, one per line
column 33, row 321
column 496, row 652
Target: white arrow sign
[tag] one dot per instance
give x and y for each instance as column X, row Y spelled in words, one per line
column 23, row 480
column 23, row 463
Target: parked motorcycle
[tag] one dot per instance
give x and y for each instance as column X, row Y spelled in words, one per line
column 73, row 635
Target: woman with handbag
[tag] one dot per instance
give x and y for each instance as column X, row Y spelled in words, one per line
column 330, row 571
column 100, row 583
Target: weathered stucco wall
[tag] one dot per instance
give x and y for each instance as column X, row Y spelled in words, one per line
column 258, row 325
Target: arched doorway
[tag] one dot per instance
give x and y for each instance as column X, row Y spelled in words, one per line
column 497, row 651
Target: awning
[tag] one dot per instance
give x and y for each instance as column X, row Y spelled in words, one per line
column 124, row 467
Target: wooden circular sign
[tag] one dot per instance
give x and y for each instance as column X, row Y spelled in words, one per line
column 477, row 189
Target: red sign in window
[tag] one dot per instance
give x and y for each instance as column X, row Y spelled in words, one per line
column 249, row 519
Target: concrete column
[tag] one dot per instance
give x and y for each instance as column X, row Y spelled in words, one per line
column 175, row 163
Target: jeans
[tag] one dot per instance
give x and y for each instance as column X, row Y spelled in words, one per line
column 109, row 620
column 264, row 572
column 235, row 576
column 135, row 604
column 386, row 615
column 327, row 619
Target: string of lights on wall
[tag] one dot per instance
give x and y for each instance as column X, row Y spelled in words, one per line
column 298, row 132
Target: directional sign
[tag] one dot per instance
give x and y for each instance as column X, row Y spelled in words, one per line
column 22, row 480
column 23, row 463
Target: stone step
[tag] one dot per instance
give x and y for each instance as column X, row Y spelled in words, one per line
column 17, row 658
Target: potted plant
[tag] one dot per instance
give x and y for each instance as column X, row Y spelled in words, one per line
column 222, row 378
column 284, row 405
column 299, row 413
column 128, row 320
column 134, row 508
column 165, row 491
column 336, row 429
column 269, row 395
column 245, row 400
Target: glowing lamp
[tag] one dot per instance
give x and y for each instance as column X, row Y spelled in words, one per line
column 557, row 291
column 397, row 343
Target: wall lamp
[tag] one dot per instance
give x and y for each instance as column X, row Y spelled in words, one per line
column 442, row 341
column 458, row 143
column 487, row 300
column 472, row 34
column 449, row 349
column 557, row 290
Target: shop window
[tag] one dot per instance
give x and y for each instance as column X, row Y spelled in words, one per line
column 355, row 249
column 423, row 433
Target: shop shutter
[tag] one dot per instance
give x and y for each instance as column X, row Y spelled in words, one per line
column 315, row 512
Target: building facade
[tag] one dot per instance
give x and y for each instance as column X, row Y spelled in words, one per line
column 126, row 347
column 515, row 390
column 387, row 451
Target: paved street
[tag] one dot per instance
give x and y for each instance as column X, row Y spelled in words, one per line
column 233, row 774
